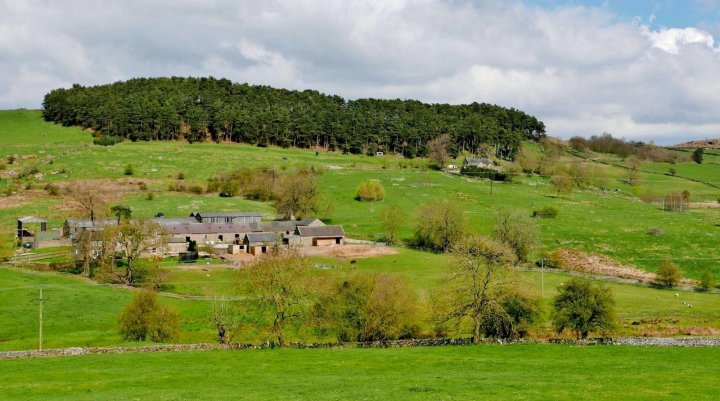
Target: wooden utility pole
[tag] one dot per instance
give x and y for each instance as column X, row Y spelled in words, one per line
column 40, row 337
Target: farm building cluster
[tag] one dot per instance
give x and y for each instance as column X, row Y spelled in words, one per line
column 231, row 232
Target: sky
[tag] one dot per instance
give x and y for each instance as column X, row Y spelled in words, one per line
column 639, row 69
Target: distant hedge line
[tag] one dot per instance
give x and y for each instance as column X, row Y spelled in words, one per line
column 198, row 109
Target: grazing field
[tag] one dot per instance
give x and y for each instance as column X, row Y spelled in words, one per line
column 79, row 312
column 527, row 372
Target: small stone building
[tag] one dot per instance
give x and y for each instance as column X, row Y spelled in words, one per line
column 318, row 236
column 259, row 243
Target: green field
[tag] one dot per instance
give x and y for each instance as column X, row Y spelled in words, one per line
column 79, row 312
column 527, row 372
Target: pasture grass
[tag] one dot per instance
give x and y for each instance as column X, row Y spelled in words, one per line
column 485, row 372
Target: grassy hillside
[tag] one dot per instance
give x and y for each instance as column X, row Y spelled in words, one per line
column 613, row 223
column 532, row 372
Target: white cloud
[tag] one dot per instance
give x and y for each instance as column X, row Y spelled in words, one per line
column 582, row 70
column 671, row 40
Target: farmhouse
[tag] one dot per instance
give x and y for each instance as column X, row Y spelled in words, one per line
column 226, row 217
column 482, row 162
column 236, row 231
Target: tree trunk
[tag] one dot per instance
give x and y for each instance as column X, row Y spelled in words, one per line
column 129, row 274
column 476, row 333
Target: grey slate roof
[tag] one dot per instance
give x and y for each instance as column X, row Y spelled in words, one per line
column 478, row 161
column 87, row 223
column 226, row 214
column 31, row 219
column 207, row 228
column 261, row 238
column 323, row 231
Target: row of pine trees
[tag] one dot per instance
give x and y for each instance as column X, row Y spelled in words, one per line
column 199, row 109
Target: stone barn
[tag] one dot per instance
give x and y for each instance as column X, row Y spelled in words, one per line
column 320, row 236
column 259, row 243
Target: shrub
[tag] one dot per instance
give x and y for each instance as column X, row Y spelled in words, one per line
column 547, row 212
column 672, row 171
column 656, row 232
column 480, row 172
column 129, row 170
column 145, row 318
column 518, row 313
column 368, row 307
column 178, row 186
column 107, row 140
column 150, row 196
column 668, row 275
column 706, row 281
column 196, row 189
column 28, row 171
column 213, row 185
column 180, row 176
column 142, row 186
column 52, row 189
column 370, row 190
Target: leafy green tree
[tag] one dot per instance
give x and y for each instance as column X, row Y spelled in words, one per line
column 121, row 212
column 392, row 219
column 277, row 291
column 145, row 319
column 668, row 275
column 440, row 226
column 583, row 308
column 517, row 230
column 300, row 196
column 697, row 155
column 368, row 307
column 706, row 281
column 481, row 288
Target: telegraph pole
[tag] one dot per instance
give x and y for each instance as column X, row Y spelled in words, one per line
column 542, row 277
column 41, row 319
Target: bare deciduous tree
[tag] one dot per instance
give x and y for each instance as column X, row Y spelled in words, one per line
column 137, row 238
column 437, row 149
column 632, row 173
column 84, row 250
column 90, row 198
column 300, row 196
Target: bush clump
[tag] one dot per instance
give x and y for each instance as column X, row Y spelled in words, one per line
column 668, row 275
column 145, row 319
column 370, row 191
column 547, row 212
column 706, row 281
column 480, row 172
column 107, row 140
